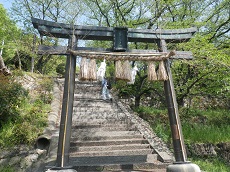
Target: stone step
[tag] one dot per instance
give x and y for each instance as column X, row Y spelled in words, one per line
column 132, row 167
column 77, row 136
column 112, row 153
column 98, row 126
column 92, row 116
column 95, row 109
column 108, row 142
column 87, row 95
column 96, row 138
column 108, row 148
column 114, row 160
column 102, row 123
column 90, row 104
column 87, row 83
column 99, row 121
column 94, row 128
column 107, row 133
column 87, row 88
column 112, row 112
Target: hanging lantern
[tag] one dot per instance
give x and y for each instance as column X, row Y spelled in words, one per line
column 120, row 36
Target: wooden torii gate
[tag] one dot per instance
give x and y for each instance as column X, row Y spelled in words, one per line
column 120, row 37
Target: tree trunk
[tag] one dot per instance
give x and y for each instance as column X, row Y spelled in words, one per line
column 2, row 64
column 3, row 68
column 137, row 101
column 19, row 61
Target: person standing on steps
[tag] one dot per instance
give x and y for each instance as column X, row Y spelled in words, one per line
column 106, row 86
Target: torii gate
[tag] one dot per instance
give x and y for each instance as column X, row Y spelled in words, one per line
column 120, row 38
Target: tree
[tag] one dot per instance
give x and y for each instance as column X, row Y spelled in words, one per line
column 53, row 10
column 8, row 33
column 211, row 17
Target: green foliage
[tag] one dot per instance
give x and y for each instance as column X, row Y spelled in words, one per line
column 158, row 119
column 12, row 97
column 205, row 77
column 60, row 69
column 45, row 94
column 211, row 164
column 6, row 169
column 209, row 126
column 26, row 116
column 198, row 133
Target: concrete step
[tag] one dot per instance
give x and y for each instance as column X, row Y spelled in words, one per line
column 95, row 108
column 96, row 138
column 87, row 95
column 96, row 111
column 98, row 121
column 102, row 123
column 94, row 128
column 110, row 160
column 83, row 84
column 108, row 148
column 105, row 135
column 94, row 117
column 138, row 167
column 102, row 116
column 108, row 142
column 99, row 103
column 112, row 153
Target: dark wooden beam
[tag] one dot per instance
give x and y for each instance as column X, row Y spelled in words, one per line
column 61, row 30
column 62, row 50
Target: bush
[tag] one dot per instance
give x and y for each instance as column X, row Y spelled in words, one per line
column 12, row 97
column 22, row 120
column 45, row 91
column 60, row 69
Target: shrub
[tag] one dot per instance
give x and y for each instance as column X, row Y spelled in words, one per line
column 60, row 69
column 22, row 120
column 12, row 97
column 45, row 91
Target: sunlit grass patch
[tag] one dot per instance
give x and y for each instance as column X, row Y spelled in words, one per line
column 211, row 164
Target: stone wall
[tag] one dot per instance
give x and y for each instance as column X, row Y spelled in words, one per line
column 206, row 150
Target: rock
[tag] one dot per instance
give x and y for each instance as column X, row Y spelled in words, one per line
column 28, row 160
column 40, row 151
column 202, row 149
column 4, row 162
column 14, row 160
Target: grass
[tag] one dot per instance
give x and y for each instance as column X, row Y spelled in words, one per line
column 6, row 169
column 26, row 115
column 211, row 164
column 207, row 126
column 199, row 126
column 197, row 133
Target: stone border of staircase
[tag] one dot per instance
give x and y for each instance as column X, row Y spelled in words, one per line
column 52, row 129
column 54, row 117
column 165, row 155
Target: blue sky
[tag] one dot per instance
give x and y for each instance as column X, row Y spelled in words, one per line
column 6, row 3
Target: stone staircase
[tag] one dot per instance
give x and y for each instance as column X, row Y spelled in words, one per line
column 105, row 138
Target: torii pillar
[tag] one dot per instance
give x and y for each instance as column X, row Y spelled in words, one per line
column 181, row 164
